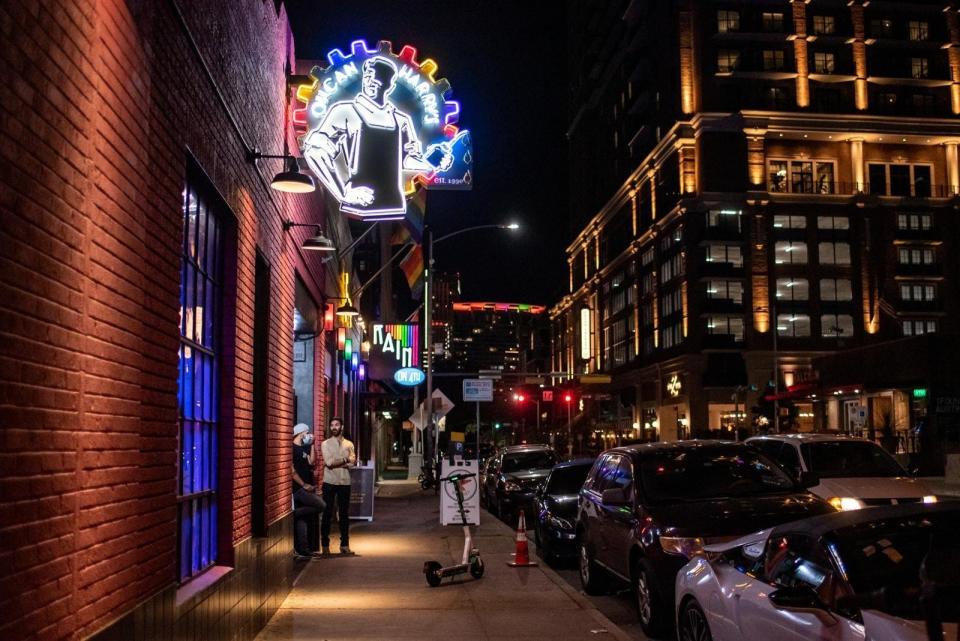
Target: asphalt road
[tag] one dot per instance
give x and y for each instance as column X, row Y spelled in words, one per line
column 617, row 605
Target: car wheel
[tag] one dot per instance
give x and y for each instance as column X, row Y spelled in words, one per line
column 692, row 623
column 592, row 578
column 650, row 609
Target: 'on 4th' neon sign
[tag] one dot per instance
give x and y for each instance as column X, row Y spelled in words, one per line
column 375, row 123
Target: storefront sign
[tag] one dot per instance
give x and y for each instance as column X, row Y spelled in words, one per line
column 392, row 348
column 674, row 386
column 374, row 123
column 409, row 376
column 585, row 334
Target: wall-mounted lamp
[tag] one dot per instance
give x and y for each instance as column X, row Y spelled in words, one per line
column 291, row 180
column 347, row 311
column 318, row 242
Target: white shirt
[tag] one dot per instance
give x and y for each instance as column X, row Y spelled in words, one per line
column 334, row 450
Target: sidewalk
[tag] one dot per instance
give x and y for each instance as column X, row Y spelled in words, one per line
column 382, row 593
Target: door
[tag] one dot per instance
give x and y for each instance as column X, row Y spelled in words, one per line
column 605, row 480
column 794, row 561
column 591, row 510
column 620, row 523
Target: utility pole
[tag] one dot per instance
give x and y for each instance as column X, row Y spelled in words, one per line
column 428, row 333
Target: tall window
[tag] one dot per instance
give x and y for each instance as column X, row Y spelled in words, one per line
column 726, row 326
column 836, row 325
column 834, row 253
column 198, row 393
column 801, row 176
column 793, row 325
column 790, row 253
column 900, row 179
column 919, row 30
column 772, row 21
column 730, row 254
column 793, row 289
column 919, row 327
column 823, row 62
column 835, row 289
column 915, row 256
column 783, row 221
column 727, row 290
column 914, row 222
column 918, row 292
column 728, row 21
column 727, row 60
column 824, row 25
column 919, row 68
column 833, row 222
column 772, row 60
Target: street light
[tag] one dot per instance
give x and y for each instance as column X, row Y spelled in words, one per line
column 428, row 305
column 568, row 399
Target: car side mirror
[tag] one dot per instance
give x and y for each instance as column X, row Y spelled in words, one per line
column 798, row 597
column 615, row 496
column 807, row 480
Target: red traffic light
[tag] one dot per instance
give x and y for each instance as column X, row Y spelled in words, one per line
column 568, row 397
column 521, row 398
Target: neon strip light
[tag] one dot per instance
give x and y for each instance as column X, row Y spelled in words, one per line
column 499, row 307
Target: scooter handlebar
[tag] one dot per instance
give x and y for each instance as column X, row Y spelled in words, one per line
column 453, row 478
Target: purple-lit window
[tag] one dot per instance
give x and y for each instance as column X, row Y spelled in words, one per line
column 198, row 392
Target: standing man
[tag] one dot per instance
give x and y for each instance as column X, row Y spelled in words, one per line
column 306, row 503
column 338, row 456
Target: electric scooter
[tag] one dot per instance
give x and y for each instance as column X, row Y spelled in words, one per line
column 471, row 561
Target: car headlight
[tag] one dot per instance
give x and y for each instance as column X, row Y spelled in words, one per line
column 510, row 486
column 845, row 503
column 930, row 498
column 682, row 546
column 559, row 523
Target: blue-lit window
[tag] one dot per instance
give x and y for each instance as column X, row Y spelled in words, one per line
column 198, row 393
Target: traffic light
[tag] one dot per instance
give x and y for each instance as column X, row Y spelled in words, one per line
column 496, row 426
column 568, row 397
column 521, row 398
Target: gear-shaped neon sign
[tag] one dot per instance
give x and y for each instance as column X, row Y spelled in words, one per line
column 375, row 123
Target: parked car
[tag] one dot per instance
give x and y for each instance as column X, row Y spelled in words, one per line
column 515, row 474
column 645, row 510
column 487, row 468
column 846, row 576
column 555, row 506
column 853, row 472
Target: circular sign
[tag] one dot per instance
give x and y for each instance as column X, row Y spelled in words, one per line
column 409, row 376
column 468, row 485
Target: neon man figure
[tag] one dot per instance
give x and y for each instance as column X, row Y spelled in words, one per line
column 375, row 142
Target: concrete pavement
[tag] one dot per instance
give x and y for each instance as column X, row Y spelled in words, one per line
column 382, row 594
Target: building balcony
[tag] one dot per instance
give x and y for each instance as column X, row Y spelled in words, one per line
column 811, row 188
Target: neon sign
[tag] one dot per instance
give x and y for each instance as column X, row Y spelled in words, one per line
column 400, row 343
column 674, row 386
column 585, row 351
column 409, row 376
column 375, row 123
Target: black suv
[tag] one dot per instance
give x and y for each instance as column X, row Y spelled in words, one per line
column 644, row 510
column 514, row 476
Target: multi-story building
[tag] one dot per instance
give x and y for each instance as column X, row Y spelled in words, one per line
column 756, row 185
column 492, row 336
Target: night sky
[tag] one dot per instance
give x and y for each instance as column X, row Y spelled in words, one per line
column 505, row 60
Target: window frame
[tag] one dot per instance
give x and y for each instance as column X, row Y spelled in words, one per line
column 888, row 187
column 790, row 251
column 790, row 181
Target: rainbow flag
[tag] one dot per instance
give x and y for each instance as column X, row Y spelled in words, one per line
column 412, row 267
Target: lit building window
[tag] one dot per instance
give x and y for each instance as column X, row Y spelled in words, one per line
column 728, row 21
column 919, row 30
column 919, row 68
column 726, row 326
column 834, row 253
column 836, row 325
column 915, row 256
column 920, row 292
column 790, row 253
column 772, row 21
column 919, row 327
column 782, row 221
column 727, row 290
column 801, row 176
column 914, row 222
column 833, row 222
column 198, row 391
column 724, row 219
column 772, row 60
column 727, row 60
column 793, row 325
column 730, row 254
column 793, row 289
column 836, row 289
column 823, row 62
column 824, row 25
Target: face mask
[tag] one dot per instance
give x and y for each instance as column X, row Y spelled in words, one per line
column 308, row 439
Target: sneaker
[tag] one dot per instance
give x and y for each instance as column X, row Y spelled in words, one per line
column 345, row 550
column 325, row 551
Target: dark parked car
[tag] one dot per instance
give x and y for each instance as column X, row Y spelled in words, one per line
column 556, row 509
column 645, row 510
column 514, row 475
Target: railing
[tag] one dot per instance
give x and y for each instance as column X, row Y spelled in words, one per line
column 843, row 188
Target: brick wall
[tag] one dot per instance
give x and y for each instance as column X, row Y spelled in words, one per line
column 104, row 102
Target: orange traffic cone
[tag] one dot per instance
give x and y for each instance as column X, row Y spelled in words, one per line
column 521, row 558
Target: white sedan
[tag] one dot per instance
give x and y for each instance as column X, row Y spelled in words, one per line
column 849, row 576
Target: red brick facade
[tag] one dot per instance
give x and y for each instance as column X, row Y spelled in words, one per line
column 104, row 104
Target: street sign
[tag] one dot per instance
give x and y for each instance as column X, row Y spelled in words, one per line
column 441, row 407
column 595, row 379
column 477, row 390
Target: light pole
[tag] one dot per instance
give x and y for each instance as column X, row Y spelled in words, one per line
column 428, row 310
column 568, row 398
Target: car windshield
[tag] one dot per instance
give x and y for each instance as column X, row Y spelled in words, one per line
column 829, row 459
column 535, row 460
column 888, row 554
column 710, row 472
column 567, row 480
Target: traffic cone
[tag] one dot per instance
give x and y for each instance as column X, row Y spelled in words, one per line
column 521, row 558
